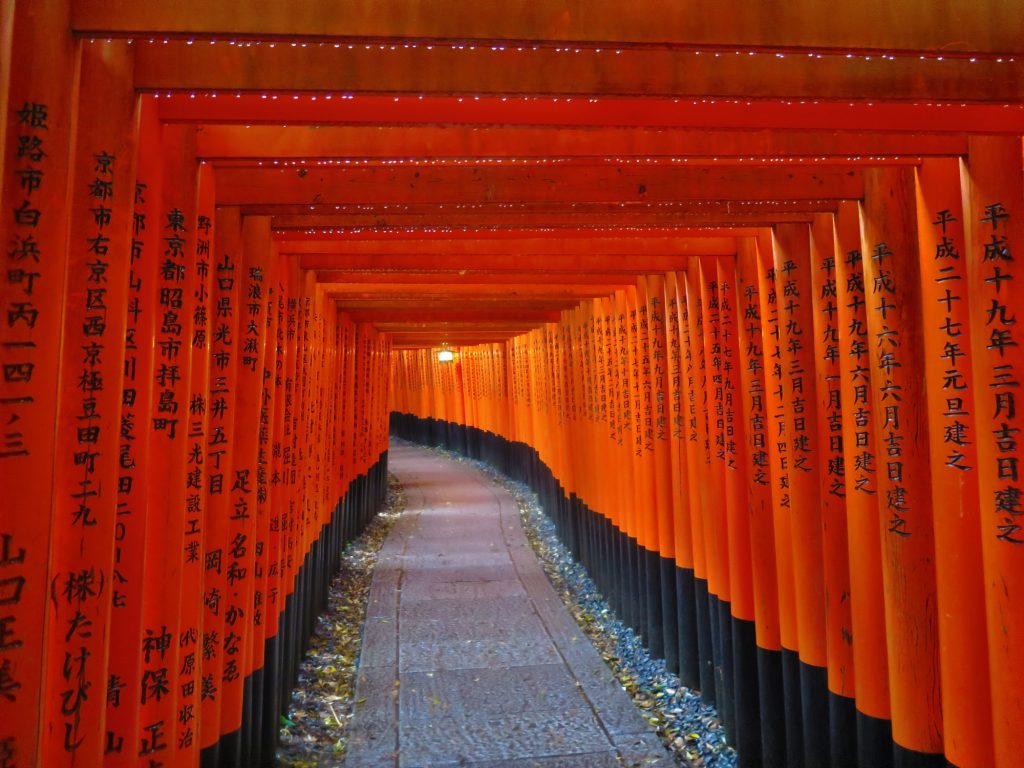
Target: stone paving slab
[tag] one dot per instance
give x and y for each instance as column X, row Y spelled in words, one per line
column 607, row 759
column 498, row 652
column 472, row 692
column 461, row 589
column 504, row 737
column 469, row 658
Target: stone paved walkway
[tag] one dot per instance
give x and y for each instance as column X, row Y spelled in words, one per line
column 469, row 657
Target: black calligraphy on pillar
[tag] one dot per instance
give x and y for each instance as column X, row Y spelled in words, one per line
column 1000, row 322
column 76, row 591
column 86, row 495
column 243, row 485
column 715, row 361
column 690, row 371
column 776, row 379
column 221, row 479
column 645, row 369
column 12, row 583
column 629, row 413
column 26, row 274
column 796, row 375
column 948, row 280
column 659, row 360
column 128, row 459
column 195, row 471
column 727, row 326
column 167, row 371
column 862, row 451
column 829, row 345
column 757, row 425
column 889, row 392
column 674, row 353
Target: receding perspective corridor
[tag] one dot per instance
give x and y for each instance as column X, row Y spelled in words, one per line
column 727, row 289
column 469, row 657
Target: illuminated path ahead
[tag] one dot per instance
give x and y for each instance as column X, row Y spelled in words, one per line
column 469, row 657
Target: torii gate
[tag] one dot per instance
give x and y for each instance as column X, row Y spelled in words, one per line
column 814, row 219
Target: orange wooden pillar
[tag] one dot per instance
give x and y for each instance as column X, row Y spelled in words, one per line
column 169, row 654
column 125, row 667
column 565, row 476
column 950, row 390
column 275, row 498
column 713, row 499
column 226, row 537
column 588, row 437
column 780, row 462
column 646, row 486
column 261, row 310
column 516, row 393
column 581, row 325
column 605, row 355
column 893, row 296
column 679, row 441
column 640, row 495
column 88, row 437
column 201, row 681
column 599, row 442
column 572, row 469
column 741, row 631
column 621, row 353
column 793, row 284
column 860, row 465
column 695, row 378
column 500, row 352
column 832, row 494
column 660, row 438
column 282, row 531
column 994, row 219
column 37, row 122
column 759, row 504
column 562, row 480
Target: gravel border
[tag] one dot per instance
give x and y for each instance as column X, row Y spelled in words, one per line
column 314, row 733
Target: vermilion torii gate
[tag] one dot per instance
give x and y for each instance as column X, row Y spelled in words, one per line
column 734, row 285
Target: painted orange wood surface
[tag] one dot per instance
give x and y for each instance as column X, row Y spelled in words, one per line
column 993, row 224
column 125, row 668
column 38, row 120
column 867, row 606
column 713, row 482
column 893, row 304
column 777, row 455
column 737, row 520
column 755, row 448
column 832, row 467
column 950, row 390
column 678, row 428
column 84, row 514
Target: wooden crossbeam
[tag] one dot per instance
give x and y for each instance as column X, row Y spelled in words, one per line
column 509, row 71
column 532, row 213
column 220, row 142
column 995, row 27
column 701, row 240
column 708, row 113
column 241, row 186
column 440, row 315
column 476, row 277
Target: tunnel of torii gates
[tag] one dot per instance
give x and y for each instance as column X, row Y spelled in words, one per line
column 733, row 288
